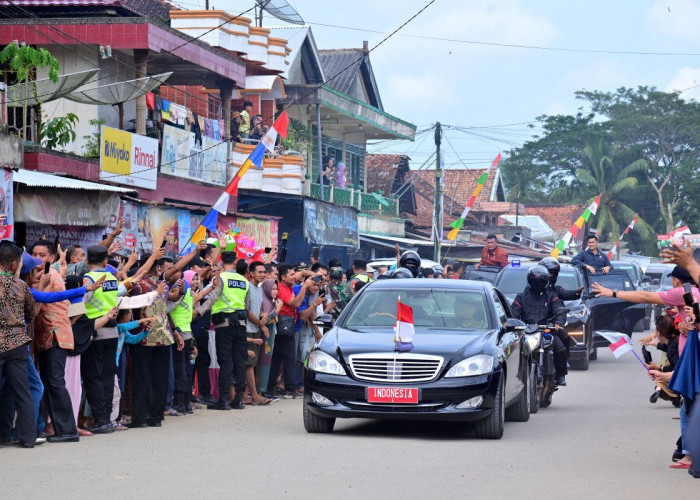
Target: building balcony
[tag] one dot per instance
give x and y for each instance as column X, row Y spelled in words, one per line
column 364, row 202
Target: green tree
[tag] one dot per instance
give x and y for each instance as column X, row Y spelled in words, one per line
column 24, row 60
column 663, row 129
column 607, row 172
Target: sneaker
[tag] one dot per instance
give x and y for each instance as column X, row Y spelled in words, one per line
column 237, row 403
column 654, row 396
column 561, row 381
column 299, row 393
column 40, row 440
column 288, row 395
column 219, row 405
column 269, row 396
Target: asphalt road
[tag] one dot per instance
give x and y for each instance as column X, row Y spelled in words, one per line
column 601, row 438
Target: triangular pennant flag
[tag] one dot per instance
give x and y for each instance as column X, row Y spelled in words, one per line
column 452, row 235
column 221, row 204
column 199, row 234
column 210, row 220
column 281, row 124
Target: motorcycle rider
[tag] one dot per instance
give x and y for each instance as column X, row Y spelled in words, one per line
column 539, row 304
column 410, row 260
column 553, row 267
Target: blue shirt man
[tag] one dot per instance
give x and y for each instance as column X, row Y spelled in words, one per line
column 592, row 258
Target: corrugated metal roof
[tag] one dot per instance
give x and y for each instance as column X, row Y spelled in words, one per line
column 33, row 178
column 345, row 63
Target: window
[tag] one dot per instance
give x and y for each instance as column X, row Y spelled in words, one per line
column 214, row 108
column 500, row 311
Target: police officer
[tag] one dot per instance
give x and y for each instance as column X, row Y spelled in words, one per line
column 98, row 363
column 359, row 268
column 538, row 304
column 229, row 318
column 553, row 267
column 181, row 318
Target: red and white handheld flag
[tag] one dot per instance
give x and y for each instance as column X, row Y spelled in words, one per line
column 404, row 323
column 621, row 347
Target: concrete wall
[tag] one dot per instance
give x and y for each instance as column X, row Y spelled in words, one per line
column 11, row 151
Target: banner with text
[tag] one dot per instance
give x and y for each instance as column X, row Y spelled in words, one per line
column 128, row 159
column 183, row 157
column 326, row 224
column 7, row 226
column 70, row 208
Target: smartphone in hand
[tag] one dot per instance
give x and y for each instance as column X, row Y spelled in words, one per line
column 688, row 295
column 47, row 267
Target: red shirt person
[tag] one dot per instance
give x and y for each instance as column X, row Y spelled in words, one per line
column 492, row 254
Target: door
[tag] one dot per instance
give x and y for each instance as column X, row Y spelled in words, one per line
column 510, row 343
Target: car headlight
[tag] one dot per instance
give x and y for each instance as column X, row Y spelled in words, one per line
column 321, row 362
column 578, row 313
column 476, row 365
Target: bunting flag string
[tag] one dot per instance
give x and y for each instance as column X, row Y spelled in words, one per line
column 627, row 230
column 574, row 229
column 254, row 158
column 457, row 224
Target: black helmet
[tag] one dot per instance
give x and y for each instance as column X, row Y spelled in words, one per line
column 411, row 261
column 538, row 278
column 387, row 275
column 402, row 272
column 553, row 267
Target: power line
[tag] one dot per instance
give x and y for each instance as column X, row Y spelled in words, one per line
column 515, row 46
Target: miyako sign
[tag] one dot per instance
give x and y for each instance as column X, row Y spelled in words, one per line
column 129, row 159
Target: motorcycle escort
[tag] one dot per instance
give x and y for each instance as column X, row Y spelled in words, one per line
column 540, row 341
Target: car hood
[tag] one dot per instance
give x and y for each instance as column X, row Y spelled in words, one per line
column 436, row 343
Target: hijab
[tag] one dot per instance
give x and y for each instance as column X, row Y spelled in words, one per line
column 268, row 305
column 187, row 277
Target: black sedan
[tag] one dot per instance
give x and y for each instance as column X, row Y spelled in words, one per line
column 464, row 366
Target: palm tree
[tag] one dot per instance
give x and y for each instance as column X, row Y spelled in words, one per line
column 606, row 171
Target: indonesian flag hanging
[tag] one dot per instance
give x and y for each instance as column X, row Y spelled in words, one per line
column 404, row 331
column 627, row 230
column 457, row 224
column 574, row 229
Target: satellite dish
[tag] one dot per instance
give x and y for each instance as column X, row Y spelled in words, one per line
column 281, row 10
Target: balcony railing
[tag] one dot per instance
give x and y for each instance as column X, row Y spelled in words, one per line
column 364, row 202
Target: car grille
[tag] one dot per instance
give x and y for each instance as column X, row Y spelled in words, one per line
column 395, row 367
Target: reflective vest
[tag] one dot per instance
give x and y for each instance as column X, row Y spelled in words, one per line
column 103, row 299
column 182, row 314
column 362, row 277
column 233, row 293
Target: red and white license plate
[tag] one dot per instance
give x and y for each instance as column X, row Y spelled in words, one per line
column 402, row 395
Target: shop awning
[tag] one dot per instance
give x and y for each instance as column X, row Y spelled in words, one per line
column 32, row 178
column 390, row 241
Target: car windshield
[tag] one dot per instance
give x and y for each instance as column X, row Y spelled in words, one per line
column 613, row 281
column 568, row 280
column 666, row 281
column 512, row 280
column 629, row 269
column 433, row 309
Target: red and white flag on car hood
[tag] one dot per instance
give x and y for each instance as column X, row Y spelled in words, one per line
column 404, row 323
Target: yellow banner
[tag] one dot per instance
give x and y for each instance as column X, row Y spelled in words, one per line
column 116, row 151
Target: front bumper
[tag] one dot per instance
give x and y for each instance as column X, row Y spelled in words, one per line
column 437, row 400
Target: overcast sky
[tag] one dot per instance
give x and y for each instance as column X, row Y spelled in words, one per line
column 484, row 85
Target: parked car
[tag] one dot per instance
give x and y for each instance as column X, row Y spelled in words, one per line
column 614, row 314
column 469, row 362
column 656, row 273
column 640, row 281
column 513, row 280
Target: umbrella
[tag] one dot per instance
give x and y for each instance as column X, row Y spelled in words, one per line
column 686, row 374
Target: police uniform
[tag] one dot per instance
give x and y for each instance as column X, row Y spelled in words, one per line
column 98, row 362
column 181, row 318
column 229, row 316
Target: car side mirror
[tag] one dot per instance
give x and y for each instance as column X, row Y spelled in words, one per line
column 646, row 279
column 325, row 320
column 513, row 325
column 655, row 282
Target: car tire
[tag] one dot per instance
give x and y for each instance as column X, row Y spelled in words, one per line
column 593, row 355
column 492, row 426
column 532, row 387
column 580, row 364
column 519, row 411
column 316, row 424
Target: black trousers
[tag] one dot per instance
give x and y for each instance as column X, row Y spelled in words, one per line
column 13, row 367
column 560, row 357
column 183, row 383
column 231, row 354
column 284, row 355
column 52, row 369
column 150, row 367
column 98, row 366
column 203, row 363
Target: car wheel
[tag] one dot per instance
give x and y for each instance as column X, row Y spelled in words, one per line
column 532, row 388
column 580, row 364
column 519, row 411
column 593, row 355
column 492, row 426
column 316, row 424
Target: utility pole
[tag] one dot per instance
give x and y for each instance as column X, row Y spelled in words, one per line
column 437, row 234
